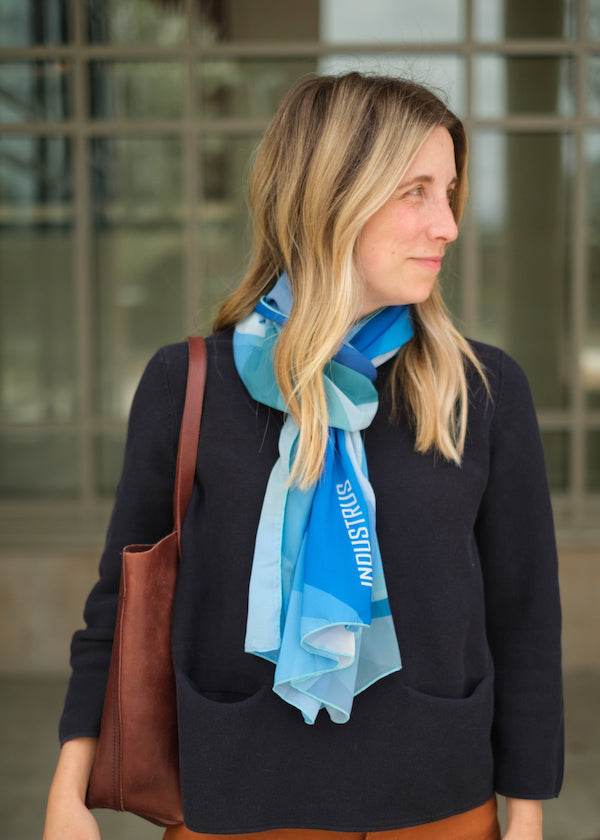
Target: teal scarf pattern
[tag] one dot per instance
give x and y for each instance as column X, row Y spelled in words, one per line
column 318, row 605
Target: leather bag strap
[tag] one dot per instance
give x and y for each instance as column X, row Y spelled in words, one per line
column 190, row 429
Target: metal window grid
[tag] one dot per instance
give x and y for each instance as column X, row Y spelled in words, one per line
column 79, row 524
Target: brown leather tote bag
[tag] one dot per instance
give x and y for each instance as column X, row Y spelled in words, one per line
column 137, row 763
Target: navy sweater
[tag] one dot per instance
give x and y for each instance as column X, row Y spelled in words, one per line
column 471, row 571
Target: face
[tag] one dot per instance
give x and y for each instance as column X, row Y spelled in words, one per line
column 401, row 246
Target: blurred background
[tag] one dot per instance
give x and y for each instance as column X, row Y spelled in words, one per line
column 126, row 129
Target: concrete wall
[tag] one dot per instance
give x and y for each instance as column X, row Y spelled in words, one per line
column 41, row 604
column 580, row 587
column 42, row 597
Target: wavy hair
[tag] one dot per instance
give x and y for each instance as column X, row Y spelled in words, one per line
column 334, row 153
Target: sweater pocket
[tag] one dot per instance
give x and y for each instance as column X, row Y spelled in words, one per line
column 452, row 734
column 254, row 765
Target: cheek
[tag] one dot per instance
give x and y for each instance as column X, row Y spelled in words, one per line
column 387, row 235
column 376, row 259
column 367, row 250
column 378, row 237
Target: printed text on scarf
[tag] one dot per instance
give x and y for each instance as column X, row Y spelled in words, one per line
column 358, row 531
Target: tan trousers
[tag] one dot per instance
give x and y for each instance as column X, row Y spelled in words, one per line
column 478, row 824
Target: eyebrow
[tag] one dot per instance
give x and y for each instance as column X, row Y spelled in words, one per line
column 424, row 179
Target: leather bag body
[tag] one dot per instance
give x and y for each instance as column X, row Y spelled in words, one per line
column 136, row 767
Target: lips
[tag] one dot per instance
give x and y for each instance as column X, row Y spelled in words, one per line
column 432, row 263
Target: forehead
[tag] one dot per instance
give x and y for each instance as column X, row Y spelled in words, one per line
column 435, row 157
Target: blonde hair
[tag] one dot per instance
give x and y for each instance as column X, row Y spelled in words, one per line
column 333, row 154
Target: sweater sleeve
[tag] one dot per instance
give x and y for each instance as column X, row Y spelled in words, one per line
column 142, row 514
column 515, row 536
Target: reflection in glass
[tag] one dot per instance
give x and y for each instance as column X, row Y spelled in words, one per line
column 450, row 281
column 30, row 22
column 137, row 261
column 260, row 20
column 388, row 21
column 35, row 182
column 590, row 353
column 39, row 465
column 37, row 337
column 37, row 341
column 593, row 20
column 522, row 185
column 592, row 461
column 593, row 85
column 518, row 85
column 443, row 72
column 35, row 90
column 223, row 239
column 108, row 460
column 136, row 89
column 136, row 22
column 333, row 21
column 235, row 87
column 137, row 180
column 497, row 20
column 556, row 451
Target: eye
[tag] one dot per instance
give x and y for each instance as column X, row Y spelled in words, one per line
column 416, row 191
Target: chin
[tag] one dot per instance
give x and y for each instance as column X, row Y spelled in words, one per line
column 420, row 295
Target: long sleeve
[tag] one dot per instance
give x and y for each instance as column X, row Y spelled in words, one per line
column 516, row 543
column 142, row 514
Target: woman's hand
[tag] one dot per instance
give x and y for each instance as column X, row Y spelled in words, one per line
column 67, row 817
column 524, row 819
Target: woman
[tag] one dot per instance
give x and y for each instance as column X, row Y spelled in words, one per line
column 337, row 673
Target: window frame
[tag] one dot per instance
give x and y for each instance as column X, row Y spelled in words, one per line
column 80, row 523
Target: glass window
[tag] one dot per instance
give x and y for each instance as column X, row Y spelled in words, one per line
column 333, row 21
column 137, row 252
column 223, row 240
column 130, row 90
column 438, row 70
column 37, row 336
column 35, row 179
column 138, row 306
column 592, row 461
column 162, row 229
column 556, row 451
column 37, row 311
column 108, row 462
column 39, row 465
column 260, row 20
column 590, row 352
column 521, row 85
column 593, row 20
column 30, row 22
column 237, row 87
column 593, row 86
column 32, row 91
column 137, row 180
column 451, row 278
column 497, row 20
column 388, row 21
column 136, row 22
column 522, row 203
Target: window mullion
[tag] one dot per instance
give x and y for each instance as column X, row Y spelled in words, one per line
column 193, row 274
column 81, row 180
column 579, row 291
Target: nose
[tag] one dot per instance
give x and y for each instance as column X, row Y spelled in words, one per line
column 443, row 224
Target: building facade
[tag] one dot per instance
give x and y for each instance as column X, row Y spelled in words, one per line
column 126, row 129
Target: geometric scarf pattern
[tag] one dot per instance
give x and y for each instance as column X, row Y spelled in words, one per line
column 318, row 605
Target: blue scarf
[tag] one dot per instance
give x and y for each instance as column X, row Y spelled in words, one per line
column 318, row 605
